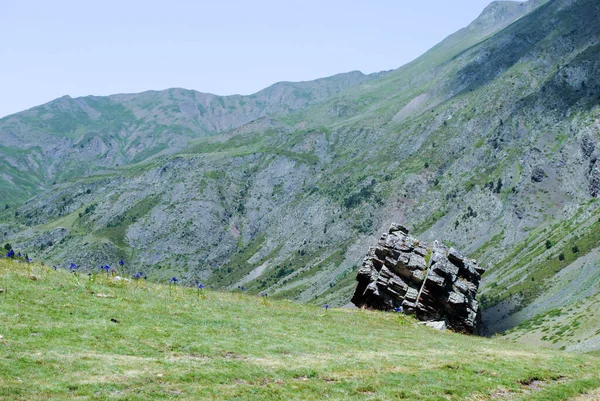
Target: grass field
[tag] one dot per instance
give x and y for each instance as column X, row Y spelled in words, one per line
column 67, row 337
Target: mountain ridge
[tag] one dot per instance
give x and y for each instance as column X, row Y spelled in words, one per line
column 120, row 129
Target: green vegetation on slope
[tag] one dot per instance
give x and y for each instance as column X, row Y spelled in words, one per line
column 90, row 337
column 116, row 228
column 585, row 236
column 574, row 326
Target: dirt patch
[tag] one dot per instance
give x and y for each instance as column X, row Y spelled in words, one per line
column 591, row 396
column 253, row 275
column 411, row 107
column 529, row 386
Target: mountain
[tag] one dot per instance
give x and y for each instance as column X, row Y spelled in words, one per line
column 69, row 138
column 488, row 142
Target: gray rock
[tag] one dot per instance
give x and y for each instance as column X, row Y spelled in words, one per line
column 587, row 146
column 456, row 298
column 461, row 286
column 437, row 280
column 445, row 269
column 417, row 276
column 416, row 262
column 442, row 290
column 411, row 295
column 594, row 179
column 455, row 257
column 398, row 285
column 397, row 227
column 440, row 326
column 538, row 174
column 420, row 250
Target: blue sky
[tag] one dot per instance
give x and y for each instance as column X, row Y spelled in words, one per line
column 52, row 48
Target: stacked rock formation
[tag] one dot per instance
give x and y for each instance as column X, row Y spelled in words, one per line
column 430, row 280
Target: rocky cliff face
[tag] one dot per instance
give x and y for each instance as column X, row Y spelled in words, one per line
column 432, row 281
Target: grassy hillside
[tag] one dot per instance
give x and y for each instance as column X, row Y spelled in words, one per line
column 70, row 138
column 85, row 337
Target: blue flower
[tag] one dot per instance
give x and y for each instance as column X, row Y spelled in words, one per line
column 138, row 275
column 73, row 267
column 55, row 267
column 121, row 262
column 398, row 309
column 18, row 254
column 173, row 280
column 326, row 306
column 200, row 286
column 27, row 260
column 10, row 254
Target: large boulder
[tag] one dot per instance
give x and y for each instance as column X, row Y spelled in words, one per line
column 432, row 281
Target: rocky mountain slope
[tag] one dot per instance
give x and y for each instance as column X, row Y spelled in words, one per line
column 488, row 142
column 69, row 138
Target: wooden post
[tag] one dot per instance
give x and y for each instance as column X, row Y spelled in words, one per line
column 427, row 268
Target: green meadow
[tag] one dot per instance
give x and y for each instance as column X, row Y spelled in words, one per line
column 90, row 337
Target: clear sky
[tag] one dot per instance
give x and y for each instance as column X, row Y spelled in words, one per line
column 52, row 48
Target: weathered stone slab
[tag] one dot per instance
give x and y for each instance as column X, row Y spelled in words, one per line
column 399, row 286
column 440, row 325
column 416, row 262
column 411, row 294
column 395, row 227
column 433, row 281
column 461, row 286
column 436, row 280
column 417, row 276
column 456, row 298
column 443, row 268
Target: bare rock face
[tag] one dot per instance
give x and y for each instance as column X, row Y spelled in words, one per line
column 432, row 281
column 594, row 178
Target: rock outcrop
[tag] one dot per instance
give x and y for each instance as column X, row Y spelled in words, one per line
column 538, row 174
column 432, row 281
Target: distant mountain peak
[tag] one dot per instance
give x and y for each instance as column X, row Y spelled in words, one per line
column 499, row 14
